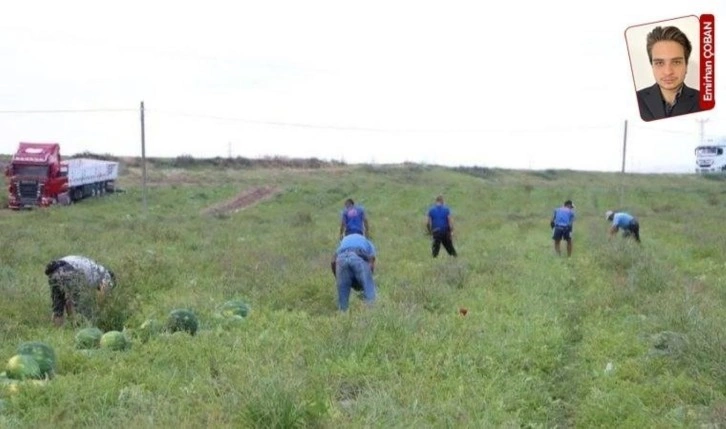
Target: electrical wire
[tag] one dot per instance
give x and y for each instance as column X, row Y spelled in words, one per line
column 343, row 127
column 36, row 111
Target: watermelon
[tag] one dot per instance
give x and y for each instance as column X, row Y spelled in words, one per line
column 13, row 387
column 234, row 308
column 9, row 385
column 182, row 319
column 43, row 354
column 113, row 340
column 88, row 338
column 20, row 367
column 150, row 328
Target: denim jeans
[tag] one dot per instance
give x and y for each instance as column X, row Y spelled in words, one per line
column 350, row 266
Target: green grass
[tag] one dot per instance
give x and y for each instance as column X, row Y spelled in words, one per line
column 619, row 335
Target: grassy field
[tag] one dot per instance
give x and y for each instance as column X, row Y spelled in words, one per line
column 616, row 336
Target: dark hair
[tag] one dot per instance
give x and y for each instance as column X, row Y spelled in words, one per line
column 568, row 203
column 667, row 34
column 53, row 266
column 349, row 201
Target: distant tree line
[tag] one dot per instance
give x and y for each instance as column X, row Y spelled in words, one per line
column 188, row 161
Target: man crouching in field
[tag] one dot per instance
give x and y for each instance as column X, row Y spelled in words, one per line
column 625, row 221
column 354, row 264
column 72, row 280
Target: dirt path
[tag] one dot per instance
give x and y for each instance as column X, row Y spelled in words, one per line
column 243, row 200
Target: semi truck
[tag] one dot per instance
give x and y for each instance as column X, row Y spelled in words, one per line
column 710, row 158
column 37, row 176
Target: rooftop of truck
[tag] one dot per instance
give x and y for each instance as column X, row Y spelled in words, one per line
column 36, row 153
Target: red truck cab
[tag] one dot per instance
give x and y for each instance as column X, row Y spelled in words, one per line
column 35, row 176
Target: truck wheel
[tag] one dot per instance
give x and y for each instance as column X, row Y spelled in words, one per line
column 64, row 199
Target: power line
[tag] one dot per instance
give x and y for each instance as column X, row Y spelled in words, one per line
column 663, row 131
column 340, row 127
column 378, row 130
column 34, row 111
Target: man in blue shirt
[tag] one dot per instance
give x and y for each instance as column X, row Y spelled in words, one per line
column 625, row 221
column 353, row 220
column 561, row 225
column 441, row 227
column 355, row 261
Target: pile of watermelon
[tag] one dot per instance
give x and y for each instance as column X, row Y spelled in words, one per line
column 34, row 362
column 94, row 338
column 179, row 320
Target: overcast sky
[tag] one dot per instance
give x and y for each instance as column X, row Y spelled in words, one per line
column 515, row 84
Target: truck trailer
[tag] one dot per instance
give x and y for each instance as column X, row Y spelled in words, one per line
column 38, row 177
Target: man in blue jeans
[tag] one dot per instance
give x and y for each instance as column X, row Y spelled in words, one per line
column 625, row 221
column 561, row 225
column 355, row 261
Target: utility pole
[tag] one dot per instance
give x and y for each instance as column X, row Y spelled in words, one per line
column 622, row 167
column 229, row 150
column 701, row 122
column 625, row 143
column 143, row 157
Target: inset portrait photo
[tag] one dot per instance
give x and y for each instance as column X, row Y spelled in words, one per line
column 665, row 59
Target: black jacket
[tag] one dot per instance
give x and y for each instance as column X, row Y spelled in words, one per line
column 651, row 106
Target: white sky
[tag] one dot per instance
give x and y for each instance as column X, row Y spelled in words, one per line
column 511, row 84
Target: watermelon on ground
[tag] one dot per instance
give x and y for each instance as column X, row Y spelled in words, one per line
column 43, row 354
column 9, row 385
column 20, row 367
column 150, row 328
column 233, row 308
column 114, row 340
column 12, row 387
column 88, row 338
column 182, row 319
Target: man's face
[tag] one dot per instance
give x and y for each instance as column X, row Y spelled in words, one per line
column 669, row 64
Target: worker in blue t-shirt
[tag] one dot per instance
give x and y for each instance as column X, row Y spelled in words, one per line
column 354, row 264
column 353, row 220
column 441, row 227
column 561, row 225
column 625, row 221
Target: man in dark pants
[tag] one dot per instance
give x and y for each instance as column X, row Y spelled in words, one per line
column 561, row 225
column 627, row 222
column 441, row 227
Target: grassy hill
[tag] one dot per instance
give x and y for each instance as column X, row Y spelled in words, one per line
column 616, row 336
